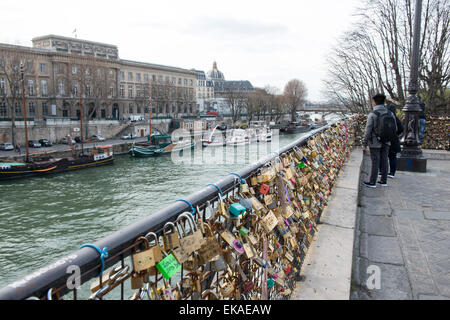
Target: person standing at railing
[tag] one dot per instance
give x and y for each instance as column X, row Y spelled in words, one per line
column 395, row 144
column 422, row 122
column 381, row 128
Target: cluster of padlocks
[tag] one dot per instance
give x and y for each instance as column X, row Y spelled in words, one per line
column 252, row 244
column 437, row 133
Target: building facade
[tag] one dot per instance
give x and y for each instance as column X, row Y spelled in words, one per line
column 58, row 71
column 225, row 90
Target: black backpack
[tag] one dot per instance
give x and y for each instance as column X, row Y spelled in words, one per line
column 386, row 128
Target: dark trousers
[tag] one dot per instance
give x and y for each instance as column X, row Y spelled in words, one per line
column 379, row 157
column 392, row 156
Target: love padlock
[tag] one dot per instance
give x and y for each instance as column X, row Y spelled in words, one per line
column 236, row 209
column 264, row 189
column 147, row 258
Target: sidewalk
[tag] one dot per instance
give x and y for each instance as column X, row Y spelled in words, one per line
column 404, row 229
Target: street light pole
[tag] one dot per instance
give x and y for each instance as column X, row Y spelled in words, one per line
column 411, row 158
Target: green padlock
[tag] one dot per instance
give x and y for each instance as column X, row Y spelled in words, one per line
column 168, row 266
column 270, row 283
column 301, row 165
column 236, row 209
column 243, row 231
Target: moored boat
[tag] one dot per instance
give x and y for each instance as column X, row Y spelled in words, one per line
column 159, row 144
column 44, row 165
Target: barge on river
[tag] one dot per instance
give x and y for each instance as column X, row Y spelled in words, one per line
column 44, row 165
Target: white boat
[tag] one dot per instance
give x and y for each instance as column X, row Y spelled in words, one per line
column 215, row 139
column 238, row 137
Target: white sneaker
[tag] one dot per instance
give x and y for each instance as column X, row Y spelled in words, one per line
column 391, row 176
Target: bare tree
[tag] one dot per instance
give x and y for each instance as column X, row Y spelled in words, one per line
column 11, row 88
column 374, row 56
column 295, row 94
column 236, row 100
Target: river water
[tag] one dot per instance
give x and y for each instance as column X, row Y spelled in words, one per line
column 43, row 219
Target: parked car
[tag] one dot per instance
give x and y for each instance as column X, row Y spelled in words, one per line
column 77, row 139
column 129, row 136
column 45, row 143
column 34, row 144
column 65, row 141
column 98, row 137
column 6, row 146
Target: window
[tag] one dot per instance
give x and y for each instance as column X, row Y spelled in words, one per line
column 130, row 91
column 103, row 113
column 30, row 87
column 43, row 68
column 130, row 108
column 62, row 90
column 2, row 86
column 138, row 90
column 160, row 79
column 111, row 72
column 60, row 68
column 31, row 109
column 138, row 77
column 30, row 66
column 174, row 80
column 130, row 75
column 138, row 109
column 44, row 88
column 145, row 77
column 111, row 91
column 88, row 90
column 74, row 70
column 185, row 82
column 2, row 110
column 122, row 91
column 75, row 89
column 99, row 73
column 179, row 81
column 65, row 113
column 88, row 72
column 44, row 108
column 18, row 109
column 167, row 79
column 122, row 75
column 153, row 77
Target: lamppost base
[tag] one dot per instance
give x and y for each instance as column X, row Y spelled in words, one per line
column 412, row 163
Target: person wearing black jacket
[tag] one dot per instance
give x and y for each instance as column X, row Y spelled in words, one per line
column 395, row 145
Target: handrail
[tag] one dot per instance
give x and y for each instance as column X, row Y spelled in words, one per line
column 121, row 242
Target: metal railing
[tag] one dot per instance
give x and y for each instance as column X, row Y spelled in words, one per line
column 51, row 281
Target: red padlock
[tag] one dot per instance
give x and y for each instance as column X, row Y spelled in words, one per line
column 264, row 189
column 292, row 180
column 288, row 269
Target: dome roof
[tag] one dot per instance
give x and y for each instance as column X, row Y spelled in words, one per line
column 215, row 74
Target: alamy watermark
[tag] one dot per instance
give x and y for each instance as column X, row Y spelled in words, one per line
column 374, row 280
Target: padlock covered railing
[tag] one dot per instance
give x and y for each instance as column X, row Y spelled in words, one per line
column 245, row 222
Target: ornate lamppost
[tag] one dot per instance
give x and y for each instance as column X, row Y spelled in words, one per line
column 411, row 158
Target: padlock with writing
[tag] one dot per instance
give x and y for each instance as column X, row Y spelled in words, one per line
column 170, row 240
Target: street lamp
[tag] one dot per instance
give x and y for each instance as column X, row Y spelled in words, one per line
column 411, row 157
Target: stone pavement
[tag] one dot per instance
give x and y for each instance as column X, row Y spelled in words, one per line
column 404, row 230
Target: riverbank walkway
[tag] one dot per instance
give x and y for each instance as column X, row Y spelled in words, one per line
column 399, row 233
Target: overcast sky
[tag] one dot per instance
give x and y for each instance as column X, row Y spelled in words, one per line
column 265, row 42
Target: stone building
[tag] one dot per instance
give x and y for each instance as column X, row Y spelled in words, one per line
column 205, row 92
column 224, row 89
column 58, row 71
